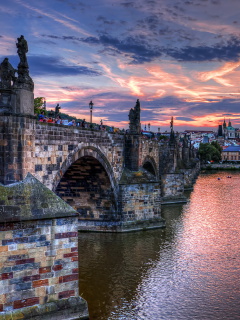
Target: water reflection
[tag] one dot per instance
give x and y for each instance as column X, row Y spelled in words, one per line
column 190, row 270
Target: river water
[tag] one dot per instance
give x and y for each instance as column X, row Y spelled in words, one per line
column 189, row 270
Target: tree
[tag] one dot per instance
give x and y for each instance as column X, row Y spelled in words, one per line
column 38, row 105
column 217, row 146
column 210, row 151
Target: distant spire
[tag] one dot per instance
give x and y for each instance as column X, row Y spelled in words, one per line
column 224, row 124
column 229, row 123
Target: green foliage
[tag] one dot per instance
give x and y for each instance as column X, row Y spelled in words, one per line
column 216, row 145
column 163, row 137
column 38, row 105
column 210, row 151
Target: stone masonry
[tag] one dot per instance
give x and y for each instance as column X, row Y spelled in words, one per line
column 113, row 182
column 85, row 167
column 39, row 254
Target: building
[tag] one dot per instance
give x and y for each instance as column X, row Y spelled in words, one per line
column 228, row 131
column 231, row 153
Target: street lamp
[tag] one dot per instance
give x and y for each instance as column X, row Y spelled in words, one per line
column 91, row 108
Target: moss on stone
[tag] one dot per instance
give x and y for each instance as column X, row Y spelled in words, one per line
column 136, row 177
column 30, row 200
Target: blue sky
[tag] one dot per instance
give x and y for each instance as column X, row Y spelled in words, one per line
column 181, row 58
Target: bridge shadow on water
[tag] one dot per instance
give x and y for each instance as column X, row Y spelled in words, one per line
column 113, row 266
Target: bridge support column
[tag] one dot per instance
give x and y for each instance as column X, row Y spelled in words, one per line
column 141, row 206
column 173, row 188
column 190, row 176
column 132, row 152
column 38, row 255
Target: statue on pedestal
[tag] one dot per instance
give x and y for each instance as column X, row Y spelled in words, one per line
column 23, row 80
column 171, row 124
column 134, row 119
column 172, row 139
column 57, row 108
column 22, row 47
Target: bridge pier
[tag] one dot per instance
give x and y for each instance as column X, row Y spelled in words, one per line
column 39, row 254
column 173, row 188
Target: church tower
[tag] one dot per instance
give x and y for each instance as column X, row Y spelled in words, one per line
column 224, row 124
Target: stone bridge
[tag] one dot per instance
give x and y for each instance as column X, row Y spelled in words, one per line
column 105, row 181
column 109, row 178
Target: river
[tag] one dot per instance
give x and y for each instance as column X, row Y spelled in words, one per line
column 189, row 270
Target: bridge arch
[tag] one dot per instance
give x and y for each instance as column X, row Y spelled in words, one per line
column 86, row 181
column 149, row 164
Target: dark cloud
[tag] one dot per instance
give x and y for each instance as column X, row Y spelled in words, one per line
column 51, row 36
column 74, row 4
column 137, row 49
column 128, row 4
column 185, row 119
column 52, row 66
column 105, row 20
column 222, row 107
column 192, row 109
column 77, row 88
column 45, row 65
column 220, row 52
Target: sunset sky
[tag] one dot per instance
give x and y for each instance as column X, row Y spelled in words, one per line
column 181, row 58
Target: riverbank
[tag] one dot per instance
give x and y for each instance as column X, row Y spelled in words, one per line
column 221, row 167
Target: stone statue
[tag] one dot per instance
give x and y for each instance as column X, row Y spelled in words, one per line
column 57, row 108
column 7, row 74
column 171, row 124
column 23, row 80
column 134, row 118
column 22, row 47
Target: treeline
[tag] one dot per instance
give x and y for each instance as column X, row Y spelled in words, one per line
column 210, row 152
column 39, row 108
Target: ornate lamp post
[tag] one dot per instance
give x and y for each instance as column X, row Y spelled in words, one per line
column 91, row 104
